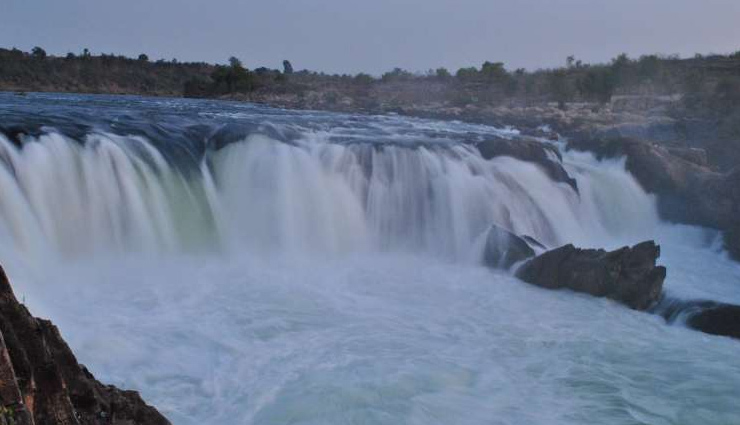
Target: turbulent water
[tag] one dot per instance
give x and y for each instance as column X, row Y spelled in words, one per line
column 239, row 264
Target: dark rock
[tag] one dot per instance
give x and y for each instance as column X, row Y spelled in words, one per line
column 13, row 134
column 546, row 156
column 42, row 379
column 731, row 239
column 706, row 316
column 627, row 275
column 718, row 319
column 504, row 249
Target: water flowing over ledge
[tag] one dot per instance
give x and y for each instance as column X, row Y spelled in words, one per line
column 119, row 193
column 240, row 264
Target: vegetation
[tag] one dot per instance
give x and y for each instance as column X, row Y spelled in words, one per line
column 708, row 83
column 88, row 73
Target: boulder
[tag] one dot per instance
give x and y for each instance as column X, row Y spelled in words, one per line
column 504, row 249
column 41, row 381
column 530, row 150
column 627, row 275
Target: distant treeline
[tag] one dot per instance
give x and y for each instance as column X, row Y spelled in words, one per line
column 711, row 81
column 492, row 83
column 88, row 73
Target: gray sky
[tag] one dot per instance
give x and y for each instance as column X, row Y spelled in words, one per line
column 374, row 35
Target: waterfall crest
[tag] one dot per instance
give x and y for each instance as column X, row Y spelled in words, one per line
column 118, row 193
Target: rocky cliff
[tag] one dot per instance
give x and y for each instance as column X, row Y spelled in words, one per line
column 42, row 383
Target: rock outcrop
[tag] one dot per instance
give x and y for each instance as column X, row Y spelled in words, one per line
column 544, row 155
column 688, row 192
column 680, row 184
column 504, row 249
column 627, row 275
column 41, row 382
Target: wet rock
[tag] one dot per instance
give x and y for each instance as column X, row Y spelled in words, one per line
column 504, row 249
column 657, row 170
column 546, row 156
column 42, row 382
column 706, row 316
column 731, row 239
column 687, row 191
column 717, row 319
column 627, row 275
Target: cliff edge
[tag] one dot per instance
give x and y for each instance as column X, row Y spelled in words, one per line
column 42, row 383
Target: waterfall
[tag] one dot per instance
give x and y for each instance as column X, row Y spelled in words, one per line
column 240, row 264
column 112, row 193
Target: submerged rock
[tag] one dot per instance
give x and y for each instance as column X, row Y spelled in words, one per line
column 706, row 316
column 546, row 156
column 627, row 275
column 504, row 249
column 42, row 383
column 717, row 319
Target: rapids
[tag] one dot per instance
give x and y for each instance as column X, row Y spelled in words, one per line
column 242, row 264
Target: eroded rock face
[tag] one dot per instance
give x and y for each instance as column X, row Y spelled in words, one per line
column 42, row 383
column 546, row 156
column 681, row 184
column 627, row 275
column 504, row 249
column 688, row 192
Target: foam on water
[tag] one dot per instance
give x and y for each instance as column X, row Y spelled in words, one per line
column 380, row 339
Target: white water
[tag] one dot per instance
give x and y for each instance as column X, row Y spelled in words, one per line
column 317, row 283
column 119, row 194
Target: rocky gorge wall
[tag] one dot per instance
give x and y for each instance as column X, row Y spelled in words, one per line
column 42, row 383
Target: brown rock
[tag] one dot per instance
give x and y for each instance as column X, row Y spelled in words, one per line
column 627, row 275
column 546, row 156
column 37, row 366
